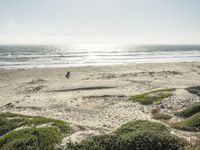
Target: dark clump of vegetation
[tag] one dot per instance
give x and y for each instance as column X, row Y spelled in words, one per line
column 31, row 138
column 155, row 110
column 7, row 125
column 190, row 124
column 161, row 116
column 191, row 110
column 24, row 132
column 10, row 121
column 194, row 90
column 152, row 97
column 139, row 134
column 64, row 127
column 141, row 125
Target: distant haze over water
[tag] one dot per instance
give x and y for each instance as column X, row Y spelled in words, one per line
column 28, row 56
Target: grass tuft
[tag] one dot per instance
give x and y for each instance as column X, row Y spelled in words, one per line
column 189, row 111
column 63, row 126
column 152, row 97
column 9, row 125
column 194, row 90
column 10, row 121
column 190, row 124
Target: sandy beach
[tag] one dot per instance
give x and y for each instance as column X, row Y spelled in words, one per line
column 94, row 97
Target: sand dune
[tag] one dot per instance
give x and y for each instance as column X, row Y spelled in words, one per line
column 95, row 97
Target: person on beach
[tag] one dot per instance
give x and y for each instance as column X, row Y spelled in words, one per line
column 67, row 75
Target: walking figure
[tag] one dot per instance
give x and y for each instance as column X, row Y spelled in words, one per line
column 67, row 75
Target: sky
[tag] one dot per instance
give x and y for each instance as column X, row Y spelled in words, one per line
column 100, row 21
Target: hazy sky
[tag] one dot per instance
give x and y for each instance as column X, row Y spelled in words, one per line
column 100, row 21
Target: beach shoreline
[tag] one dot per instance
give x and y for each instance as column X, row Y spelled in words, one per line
column 95, row 97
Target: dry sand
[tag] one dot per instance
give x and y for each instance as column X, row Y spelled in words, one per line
column 93, row 99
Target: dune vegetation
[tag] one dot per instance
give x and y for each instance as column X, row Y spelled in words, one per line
column 194, row 90
column 189, row 124
column 189, row 111
column 152, row 97
column 33, row 132
column 30, row 132
column 138, row 134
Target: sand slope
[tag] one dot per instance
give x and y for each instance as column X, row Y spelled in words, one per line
column 94, row 98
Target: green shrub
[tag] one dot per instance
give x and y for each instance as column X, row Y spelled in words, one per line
column 31, row 138
column 141, row 125
column 161, row 116
column 139, row 134
column 152, row 97
column 8, row 125
column 63, row 126
column 191, row 110
column 10, row 121
column 194, row 90
column 190, row 124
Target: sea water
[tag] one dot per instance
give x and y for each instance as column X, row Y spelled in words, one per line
column 28, row 56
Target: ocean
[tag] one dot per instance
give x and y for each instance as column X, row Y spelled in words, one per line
column 28, row 56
